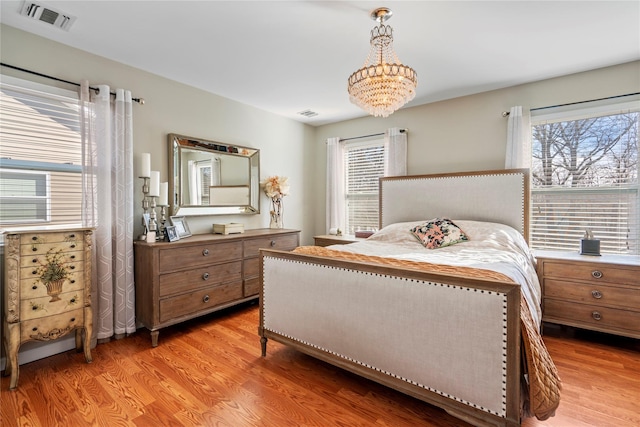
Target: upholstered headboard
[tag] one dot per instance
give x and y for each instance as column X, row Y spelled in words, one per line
column 500, row 196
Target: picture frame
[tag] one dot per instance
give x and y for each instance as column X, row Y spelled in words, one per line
column 181, row 225
column 146, row 218
column 172, row 233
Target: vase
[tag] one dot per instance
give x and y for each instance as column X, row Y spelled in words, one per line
column 54, row 289
column 276, row 213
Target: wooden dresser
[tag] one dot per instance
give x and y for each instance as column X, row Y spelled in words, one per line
column 200, row 274
column 597, row 293
column 39, row 309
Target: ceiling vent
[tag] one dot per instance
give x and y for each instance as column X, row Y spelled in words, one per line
column 48, row 15
column 308, row 113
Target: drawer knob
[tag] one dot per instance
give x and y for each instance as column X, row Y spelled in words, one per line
column 206, row 298
column 205, row 252
column 273, row 243
column 205, row 276
column 34, row 329
column 596, row 315
column 596, row 274
column 73, row 319
column 34, row 287
column 34, row 249
column 596, row 294
column 73, row 246
column 73, row 281
column 72, row 235
column 34, row 238
column 34, row 260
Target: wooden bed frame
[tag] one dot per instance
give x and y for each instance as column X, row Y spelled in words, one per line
column 451, row 341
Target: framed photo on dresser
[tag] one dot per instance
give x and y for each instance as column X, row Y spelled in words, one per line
column 181, row 225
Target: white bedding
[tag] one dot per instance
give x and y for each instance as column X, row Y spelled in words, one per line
column 491, row 246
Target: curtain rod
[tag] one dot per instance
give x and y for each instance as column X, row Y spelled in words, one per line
column 368, row 136
column 97, row 90
column 506, row 113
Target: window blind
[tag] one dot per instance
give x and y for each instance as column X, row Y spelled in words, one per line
column 585, row 176
column 40, row 155
column 364, row 165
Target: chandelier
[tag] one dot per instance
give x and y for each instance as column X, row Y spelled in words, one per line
column 383, row 84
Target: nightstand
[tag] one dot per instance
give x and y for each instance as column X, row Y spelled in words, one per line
column 332, row 239
column 600, row 293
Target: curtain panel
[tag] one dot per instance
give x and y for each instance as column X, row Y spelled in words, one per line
column 518, row 153
column 335, row 183
column 108, row 206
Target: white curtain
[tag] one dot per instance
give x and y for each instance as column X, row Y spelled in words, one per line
column 395, row 148
column 518, row 154
column 108, row 206
column 335, row 184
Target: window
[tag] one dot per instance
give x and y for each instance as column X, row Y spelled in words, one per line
column 25, row 196
column 363, row 166
column 585, row 176
column 40, row 155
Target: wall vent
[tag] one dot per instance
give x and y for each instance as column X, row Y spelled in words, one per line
column 48, row 15
column 308, row 113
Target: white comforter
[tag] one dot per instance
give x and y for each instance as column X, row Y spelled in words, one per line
column 491, row 246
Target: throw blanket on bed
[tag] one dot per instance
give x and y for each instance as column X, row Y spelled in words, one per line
column 543, row 381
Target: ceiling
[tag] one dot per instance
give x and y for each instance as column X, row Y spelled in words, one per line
column 289, row 56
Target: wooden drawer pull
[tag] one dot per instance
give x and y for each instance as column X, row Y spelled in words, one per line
column 206, row 298
column 205, row 276
column 596, row 294
column 596, row 315
column 273, row 243
column 205, row 252
column 596, row 274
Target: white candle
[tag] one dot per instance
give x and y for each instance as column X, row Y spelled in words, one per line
column 154, row 186
column 164, row 194
column 145, row 165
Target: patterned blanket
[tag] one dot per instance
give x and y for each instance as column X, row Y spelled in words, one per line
column 543, row 382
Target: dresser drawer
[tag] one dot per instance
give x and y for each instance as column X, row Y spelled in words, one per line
column 251, row 267
column 200, row 255
column 34, row 288
column 31, row 272
column 183, row 281
column 592, row 272
column 596, row 294
column 200, row 300
column 37, row 259
column 38, row 238
column 51, row 327
column 251, row 286
column 591, row 316
column 283, row 243
column 43, row 306
column 47, row 244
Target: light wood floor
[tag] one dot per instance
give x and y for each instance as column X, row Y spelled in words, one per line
column 208, row 372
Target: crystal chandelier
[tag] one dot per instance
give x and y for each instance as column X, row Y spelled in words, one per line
column 383, row 84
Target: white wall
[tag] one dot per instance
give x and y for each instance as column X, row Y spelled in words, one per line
column 469, row 133
column 173, row 107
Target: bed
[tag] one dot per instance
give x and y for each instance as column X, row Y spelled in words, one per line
column 457, row 326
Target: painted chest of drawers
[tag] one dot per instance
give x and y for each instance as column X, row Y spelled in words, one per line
column 596, row 293
column 47, row 292
column 200, row 274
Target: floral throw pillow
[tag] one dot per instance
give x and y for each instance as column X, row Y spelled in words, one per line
column 438, row 233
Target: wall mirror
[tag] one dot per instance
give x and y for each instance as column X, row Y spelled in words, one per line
column 212, row 178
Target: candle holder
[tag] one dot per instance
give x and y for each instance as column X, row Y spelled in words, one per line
column 163, row 219
column 145, row 206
